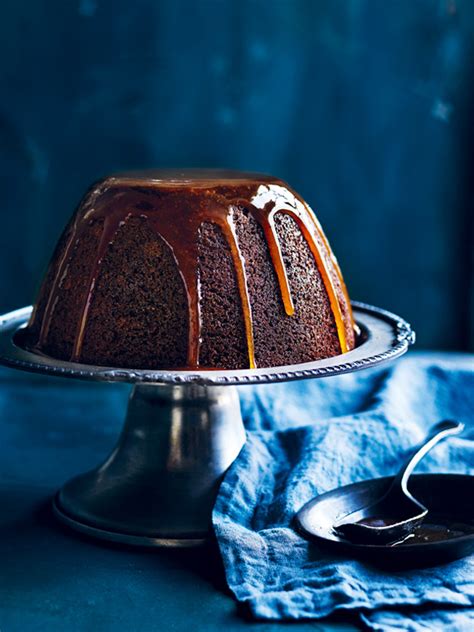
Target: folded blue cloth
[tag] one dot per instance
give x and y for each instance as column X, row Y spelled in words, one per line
column 305, row 438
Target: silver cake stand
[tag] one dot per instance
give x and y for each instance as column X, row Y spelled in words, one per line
column 182, row 431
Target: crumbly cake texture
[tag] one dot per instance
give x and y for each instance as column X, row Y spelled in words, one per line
column 126, row 288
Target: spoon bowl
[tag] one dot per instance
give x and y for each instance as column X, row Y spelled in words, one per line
column 383, row 522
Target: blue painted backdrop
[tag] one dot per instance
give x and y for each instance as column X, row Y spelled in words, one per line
column 364, row 106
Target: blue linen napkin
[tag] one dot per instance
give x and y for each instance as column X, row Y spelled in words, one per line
column 305, row 438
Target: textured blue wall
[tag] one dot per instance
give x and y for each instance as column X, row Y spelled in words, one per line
column 364, row 106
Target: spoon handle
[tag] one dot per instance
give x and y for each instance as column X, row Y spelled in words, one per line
column 437, row 433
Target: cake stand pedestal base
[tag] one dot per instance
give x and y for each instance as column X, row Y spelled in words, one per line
column 159, row 484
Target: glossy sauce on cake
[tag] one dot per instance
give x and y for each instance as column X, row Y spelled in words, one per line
column 251, row 230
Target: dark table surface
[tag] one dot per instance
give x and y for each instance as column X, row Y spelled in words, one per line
column 51, row 578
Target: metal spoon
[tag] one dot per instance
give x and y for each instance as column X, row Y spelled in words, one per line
column 394, row 515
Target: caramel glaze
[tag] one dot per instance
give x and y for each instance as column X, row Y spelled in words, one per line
column 160, row 197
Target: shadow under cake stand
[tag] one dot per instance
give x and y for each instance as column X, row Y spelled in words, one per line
column 182, row 431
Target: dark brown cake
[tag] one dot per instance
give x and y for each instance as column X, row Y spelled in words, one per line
column 192, row 269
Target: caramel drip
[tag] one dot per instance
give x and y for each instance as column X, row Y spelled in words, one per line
column 304, row 226
column 176, row 219
column 111, row 225
column 192, row 286
column 267, row 224
column 335, row 262
column 86, row 206
column 56, row 284
column 239, row 264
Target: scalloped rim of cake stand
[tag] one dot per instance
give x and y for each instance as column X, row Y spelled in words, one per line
column 383, row 336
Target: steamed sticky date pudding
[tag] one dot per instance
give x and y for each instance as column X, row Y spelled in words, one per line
column 192, row 269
